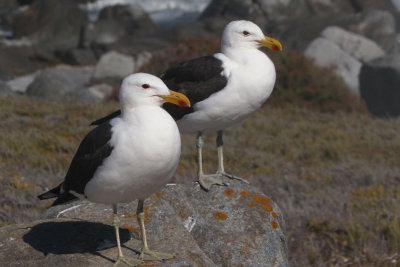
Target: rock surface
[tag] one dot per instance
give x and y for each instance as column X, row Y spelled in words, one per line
column 55, row 83
column 117, row 21
column 380, row 85
column 21, row 83
column 380, row 26
column 5, row 90
column 328, row 54
column 228, row 226
column 48, row 21
column 345, row 51
column 355, row 45
column 114, row 64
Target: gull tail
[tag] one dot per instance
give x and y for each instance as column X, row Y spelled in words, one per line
column 55, row 192
column 58, row 192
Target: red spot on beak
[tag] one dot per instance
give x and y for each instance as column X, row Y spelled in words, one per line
column 182, row 104
column 274, row 47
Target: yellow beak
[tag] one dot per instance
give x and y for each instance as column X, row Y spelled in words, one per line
column 176, row 98
column 271, row 43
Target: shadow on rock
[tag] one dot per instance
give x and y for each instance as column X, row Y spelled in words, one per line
column 73, row 237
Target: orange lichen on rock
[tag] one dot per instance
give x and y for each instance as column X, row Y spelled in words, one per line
column 130, row 228
column 260, row 199
column 250, row 205
column 245, row 193
column 272, row 261
column 229, row 192
column 220, row 216
column 274, row 215
column 158, row 194
column 274, row 224
column 133, row 215
column 147, row 215
column 146, row 221
column 267, row 207
column 263, row 201
column 245, row 248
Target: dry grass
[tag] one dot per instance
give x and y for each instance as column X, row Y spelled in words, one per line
column 38, row 139
column 332, row 168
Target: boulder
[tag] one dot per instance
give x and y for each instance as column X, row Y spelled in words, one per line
column 117, row 21
column 57, row 22
column 15, row 61
column 102, row 91
column 76, row 56
column 21, row 83
column 7, row 8
column 380, row 86
column 227, row 226
column 55, row 83
column 345, row 51
column 132, row 18
column 380, row 26
column 114, row 64
column 5, row 90
column 353, row 44
column 327, row 54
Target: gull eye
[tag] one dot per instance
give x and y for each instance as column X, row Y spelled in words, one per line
column 145, row 86
column 246, row 33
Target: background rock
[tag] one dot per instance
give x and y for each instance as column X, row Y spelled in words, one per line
column 380, row 85
column 5, row 90
column 327, row 54
column 48, row 21
column 117, row 21
column 56, row 83
column 345, row 51
column 355, row 45
column 227, row 226
column 16, row 61
column 114, row 64
column 21, row 83
column 380, row 26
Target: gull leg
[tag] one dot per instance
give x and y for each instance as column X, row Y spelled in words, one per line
column 146, row 253
column 221, row 170
column 122, row 261
column 205, row 181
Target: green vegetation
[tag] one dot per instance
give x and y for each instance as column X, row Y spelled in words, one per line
column 332, row 168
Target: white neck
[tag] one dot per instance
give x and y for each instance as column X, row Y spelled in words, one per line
column 246, row 56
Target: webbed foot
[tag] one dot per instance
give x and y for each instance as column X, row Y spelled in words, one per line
column 147, row 254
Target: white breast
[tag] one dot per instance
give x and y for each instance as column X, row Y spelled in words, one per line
column 251, row 78
column 146, row 151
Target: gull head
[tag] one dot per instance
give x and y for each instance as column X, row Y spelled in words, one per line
column 146, row 89
column 246, row 34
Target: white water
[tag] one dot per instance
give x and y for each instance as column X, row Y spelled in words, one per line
column 162, row 12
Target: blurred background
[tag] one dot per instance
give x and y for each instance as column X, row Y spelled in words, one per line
column 325, row 146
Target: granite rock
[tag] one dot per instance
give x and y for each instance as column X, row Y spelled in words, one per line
column 380, row 86
column 327, row 54
column 228, row 226
column 114, row 64
column 55, row 83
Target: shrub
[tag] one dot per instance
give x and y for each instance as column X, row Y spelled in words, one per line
column 301, row 83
